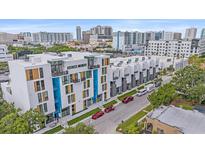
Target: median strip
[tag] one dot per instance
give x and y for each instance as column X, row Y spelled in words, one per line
column 54, row 130
column 110, row 103
column 121, row 97
column 86, row 115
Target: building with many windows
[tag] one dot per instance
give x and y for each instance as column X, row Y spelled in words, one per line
column 190, row 33
column 58, row 85
column 179, row 48
column 49, row 37
column 78, row 33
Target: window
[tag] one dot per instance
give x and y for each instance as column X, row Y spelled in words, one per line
column 85, row 93
column 45, row 107
column 30, row 75
column 103, row 79
column 82, row 76
column 104, row 70
column 42, row 85
column 42, row 108
column 39, row 85
column 104, row 87
column 45, row 96
column 88, row 74
column 69, row 89
column 39, row 98
column 65, row 79
column 41, row 72
column 88, row 83
column 71, row 98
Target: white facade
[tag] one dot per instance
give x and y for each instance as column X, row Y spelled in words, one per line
column 190, row 33
column 58, row 85
column 4, row 56
column 48, row 37
column 171, row 48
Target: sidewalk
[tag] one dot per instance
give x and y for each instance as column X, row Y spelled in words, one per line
column 63, row 121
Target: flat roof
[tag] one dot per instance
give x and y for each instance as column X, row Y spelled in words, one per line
column 188, row 121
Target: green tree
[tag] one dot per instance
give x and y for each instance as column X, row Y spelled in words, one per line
column 163, row 96
column 34, row 119
column 80, row 128
column 187, row 78
column 6, row 108
column 197, row 93
column 13, row 123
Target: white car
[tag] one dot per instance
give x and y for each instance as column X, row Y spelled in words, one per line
column 142, row 92
column 150, row 87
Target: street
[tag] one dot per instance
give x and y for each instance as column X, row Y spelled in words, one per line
column 108, row 123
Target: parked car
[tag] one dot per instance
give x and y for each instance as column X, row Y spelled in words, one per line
column 157, row 84
column 150, row 87
column 142, row 92
column 109, row 109
column 97, row 115
column 127, row 99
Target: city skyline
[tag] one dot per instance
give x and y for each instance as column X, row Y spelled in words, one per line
column 69, row 25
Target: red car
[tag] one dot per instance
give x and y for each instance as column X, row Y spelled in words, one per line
column 109, row 109
column 127, row 99
column 97, row 115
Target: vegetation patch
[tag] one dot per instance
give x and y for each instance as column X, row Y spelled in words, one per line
column 86, row 115
column 185, row 106
column 131, row 125
column 110, row 103
column 54, row 130
column 121, row 97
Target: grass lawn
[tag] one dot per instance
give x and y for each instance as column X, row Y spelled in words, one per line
column 123, row 127
column 121, row 97
column 54, row 130
column 110, row 103
column 185, row 106
column 141, row 87
column 148, row 108
column 86, row 115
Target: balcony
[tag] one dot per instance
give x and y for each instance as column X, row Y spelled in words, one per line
column 94, row 66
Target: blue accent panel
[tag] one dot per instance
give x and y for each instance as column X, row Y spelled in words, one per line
column 95, row 84
column 57, row 96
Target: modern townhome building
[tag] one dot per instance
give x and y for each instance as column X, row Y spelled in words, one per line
column 180, row 48
column 64, row 84
column 58, row 84
column 174, row 120
column 127, row 73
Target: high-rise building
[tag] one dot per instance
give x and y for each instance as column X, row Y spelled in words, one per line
column 190, row 33
column 48, row 37
column 202, row 34
column 86, row 36
column 78, row 33
column 181, row 48
column 177, row 36
column 101, row 30
column 123, row 40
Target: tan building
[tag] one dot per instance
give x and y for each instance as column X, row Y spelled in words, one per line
column 174, row 120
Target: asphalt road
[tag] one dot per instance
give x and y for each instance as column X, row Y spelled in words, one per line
column 108, row 123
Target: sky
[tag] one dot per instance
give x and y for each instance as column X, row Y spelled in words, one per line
column 69, row 25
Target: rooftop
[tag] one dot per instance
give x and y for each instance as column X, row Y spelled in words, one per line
column 189, row 122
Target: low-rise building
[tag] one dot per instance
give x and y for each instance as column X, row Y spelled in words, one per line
column 4, row 56
column 174, row 120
